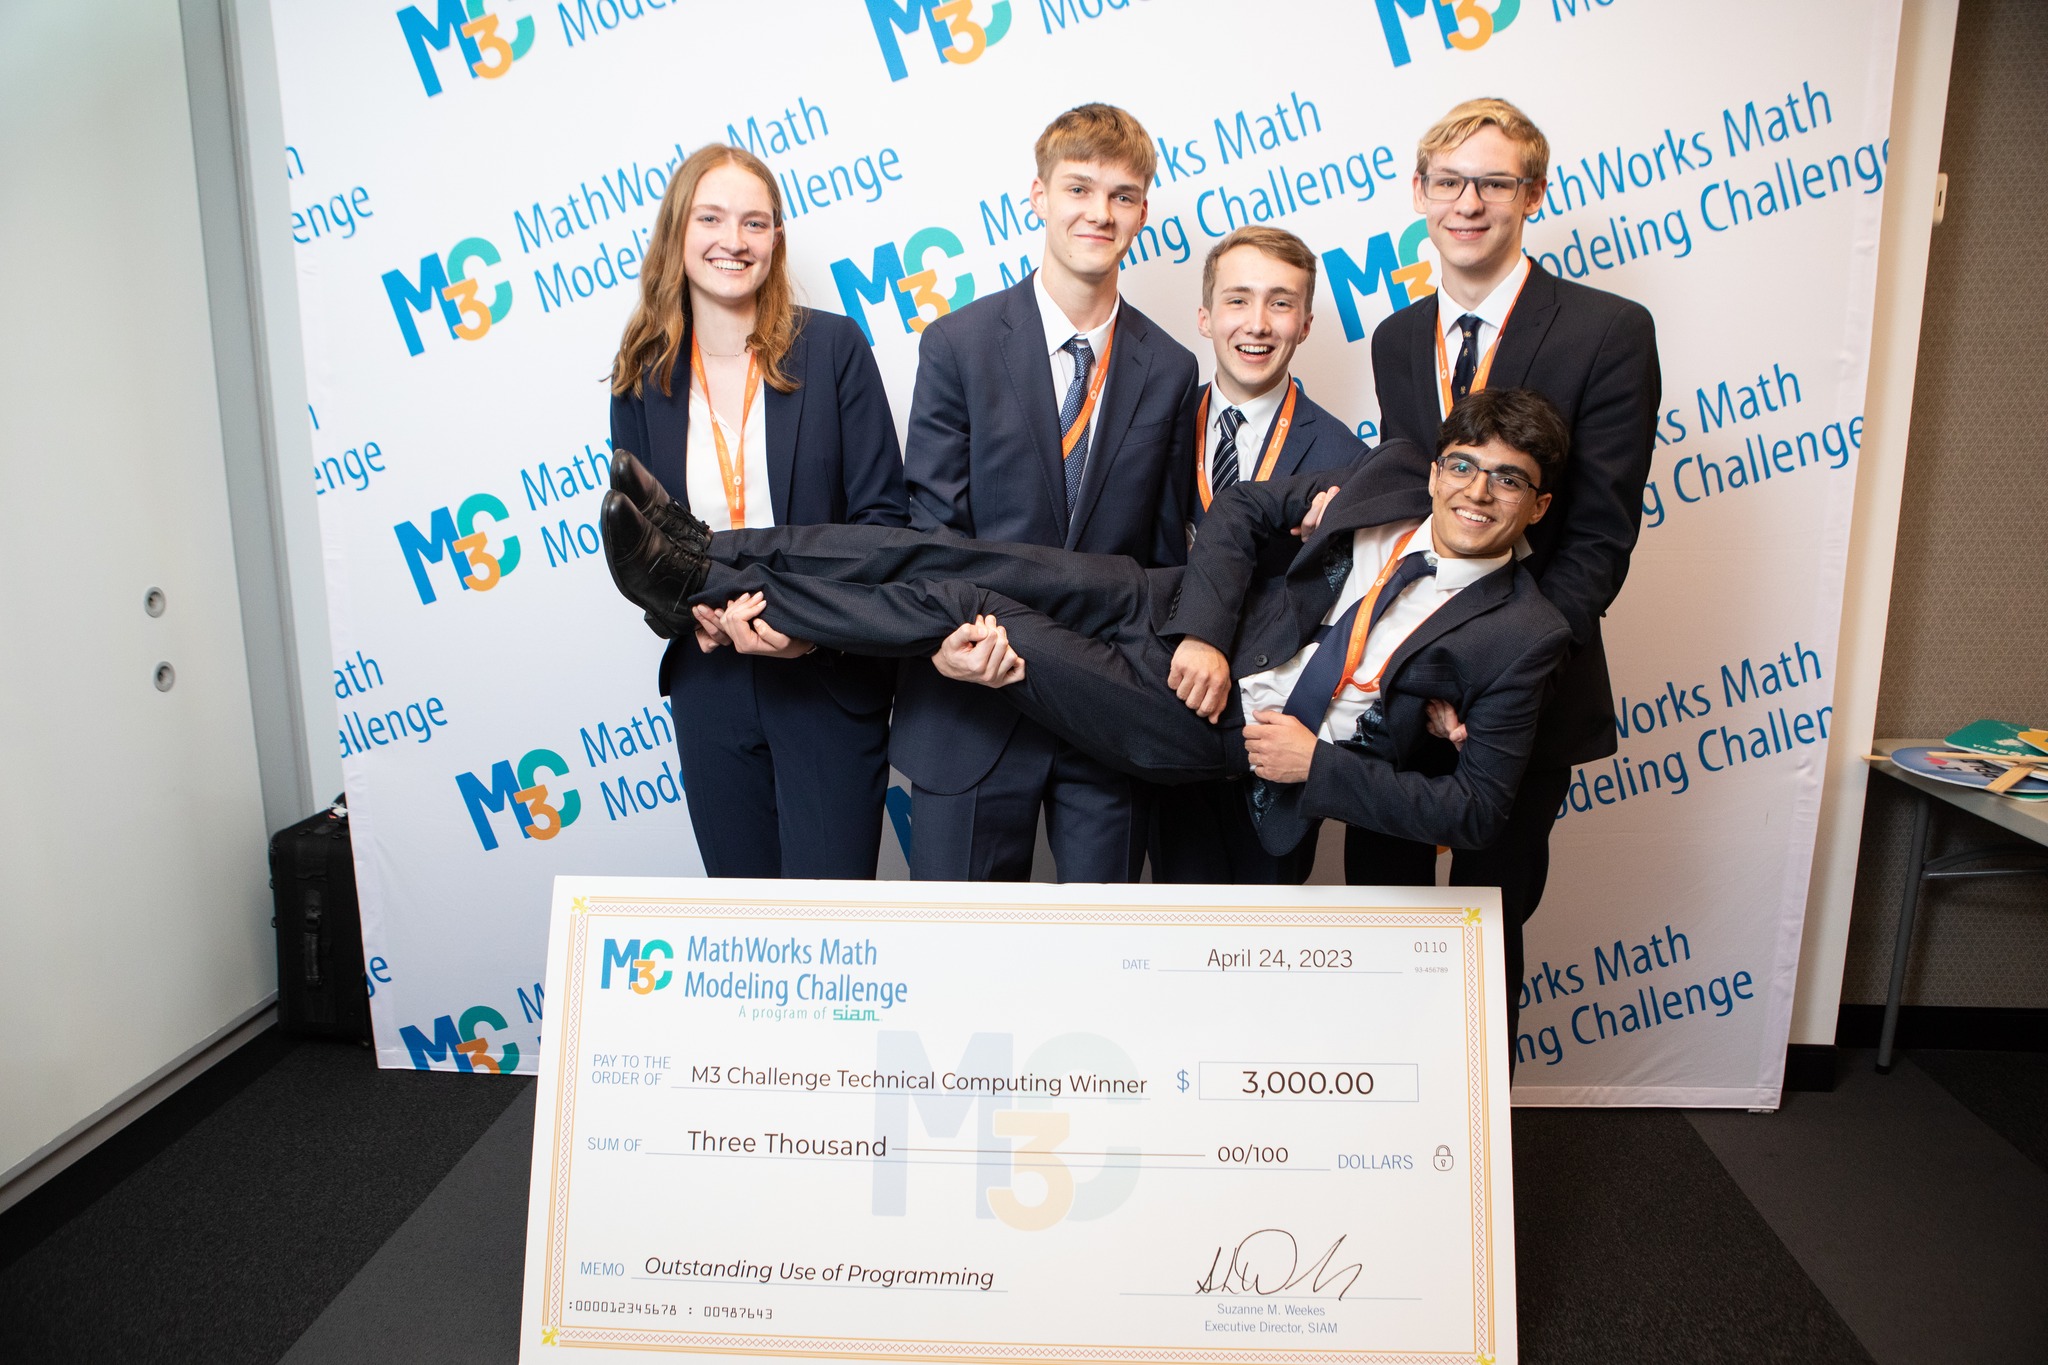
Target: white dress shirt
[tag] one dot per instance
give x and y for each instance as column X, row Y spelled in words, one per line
column 1492, row 312
column 1419, row 601
column 700, row 462
column 1251, row 437
column 1058, row 332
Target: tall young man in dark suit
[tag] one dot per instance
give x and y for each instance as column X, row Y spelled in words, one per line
column 1252, row 423
column 1400, row 603
column 1050, row 414
column 1500, row 320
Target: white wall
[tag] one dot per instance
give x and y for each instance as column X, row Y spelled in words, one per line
column 134, row 913
column 306, row 659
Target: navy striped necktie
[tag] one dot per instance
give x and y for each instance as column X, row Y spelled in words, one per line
column 1223, row 471
column 1070, row 409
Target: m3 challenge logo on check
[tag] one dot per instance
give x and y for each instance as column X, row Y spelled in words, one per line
column 637, row 965
column 445, row 282
column 957, row 31
column 475, row 32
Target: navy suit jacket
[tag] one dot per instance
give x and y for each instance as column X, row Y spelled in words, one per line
column 1316, row 441
column 1594, row 354
column 1492, row 651
column 983, row 459
column 832, row 458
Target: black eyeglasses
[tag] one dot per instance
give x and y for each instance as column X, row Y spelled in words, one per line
column 1444, row 187
column 1508, row 483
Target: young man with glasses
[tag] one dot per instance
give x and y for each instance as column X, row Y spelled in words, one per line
column 1318, row 682
column 1499, row 320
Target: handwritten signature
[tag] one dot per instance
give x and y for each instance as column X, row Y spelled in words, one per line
column 1269, row 1262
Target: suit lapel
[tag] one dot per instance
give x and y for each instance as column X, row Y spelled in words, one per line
column 1300, row 436
column 1483, row 596
column 668, row 430
column 1030, row 370
column 1428, row 413
column 1523, row 336
column 1130, row 358
column 783, row 415
column 1201, row 453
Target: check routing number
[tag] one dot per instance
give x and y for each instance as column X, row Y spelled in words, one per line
column 891, row 1121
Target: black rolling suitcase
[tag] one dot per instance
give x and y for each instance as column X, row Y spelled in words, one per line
column 321, row 992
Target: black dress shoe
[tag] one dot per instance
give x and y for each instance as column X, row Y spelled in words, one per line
column 631, row 477
column 653, row 572
column 645, row 492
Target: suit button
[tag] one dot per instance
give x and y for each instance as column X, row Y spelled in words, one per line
column 1261, row 661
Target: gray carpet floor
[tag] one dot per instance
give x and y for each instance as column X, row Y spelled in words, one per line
column 331, row 1214
column 1925, row 1227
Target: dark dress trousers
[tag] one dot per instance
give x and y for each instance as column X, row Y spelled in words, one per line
column 1594, row 355
column 1203, row 831
column 983, row 461
column 786, row 761
column 1097, row 635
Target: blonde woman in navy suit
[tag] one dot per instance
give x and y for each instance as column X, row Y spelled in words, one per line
column 752, row 411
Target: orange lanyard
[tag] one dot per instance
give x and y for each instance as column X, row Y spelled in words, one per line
column 1273, row 442
column 1072, row 435
column 1354, row 649
column 732, row 473
column 1443, row 368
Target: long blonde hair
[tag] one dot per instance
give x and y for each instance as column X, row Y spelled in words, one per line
column 661, row 320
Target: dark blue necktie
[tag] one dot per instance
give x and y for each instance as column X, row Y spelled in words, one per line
column 1070, row 411
column 1468, row 357
column 1316, row 688
column 1223, row 471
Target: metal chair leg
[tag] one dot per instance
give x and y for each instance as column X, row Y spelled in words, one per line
column 1916, row 865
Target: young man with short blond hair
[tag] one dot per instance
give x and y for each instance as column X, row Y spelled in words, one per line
column 1052, row 413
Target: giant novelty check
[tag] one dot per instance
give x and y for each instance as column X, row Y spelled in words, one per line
column 897, row 1121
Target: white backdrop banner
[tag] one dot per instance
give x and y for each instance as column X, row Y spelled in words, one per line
column 473, row 186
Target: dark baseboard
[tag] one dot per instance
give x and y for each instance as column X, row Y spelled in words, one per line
column 1946, row 1026
column 1810, row 1066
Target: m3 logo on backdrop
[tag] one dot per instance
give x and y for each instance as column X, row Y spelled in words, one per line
column 445, row 282
column 540, row 815
column 454, row 536
column 905, row 277
column 956, row 32
column 473, row 31
column 459, row 1039
column 1397, row 267
column 637, row 963
column 1466, row 25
